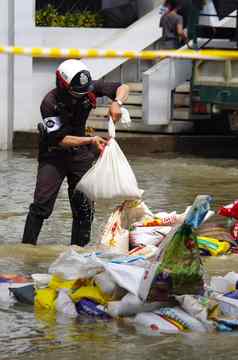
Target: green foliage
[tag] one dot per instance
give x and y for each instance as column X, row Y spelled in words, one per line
column 50, row 17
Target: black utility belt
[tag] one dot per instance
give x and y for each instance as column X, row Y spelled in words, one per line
column 71, row 150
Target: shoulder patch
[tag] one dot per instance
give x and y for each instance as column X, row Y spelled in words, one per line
column 52, row 124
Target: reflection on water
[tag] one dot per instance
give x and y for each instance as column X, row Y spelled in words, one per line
column 170, row 183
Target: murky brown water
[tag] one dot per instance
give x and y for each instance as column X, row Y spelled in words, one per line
column 171, row 182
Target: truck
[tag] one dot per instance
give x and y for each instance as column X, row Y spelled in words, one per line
column 214, row 84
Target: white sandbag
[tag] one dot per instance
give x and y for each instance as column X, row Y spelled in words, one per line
column 41, row 280
column 133, row 212
column 64, row 304
column 129, row 277
column 129, row 305
column 154, row 323
column 224, row 284
column 111, row 177
column 183, row 318
column 116, row 235
column 70, row 266
column 228, row 306
column 105, row 283
column 148, row 235
column 193, row 307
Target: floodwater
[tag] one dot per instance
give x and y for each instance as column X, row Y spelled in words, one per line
column 171, row 182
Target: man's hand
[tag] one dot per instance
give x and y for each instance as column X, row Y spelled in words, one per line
column 115, row 111
column 99, row 142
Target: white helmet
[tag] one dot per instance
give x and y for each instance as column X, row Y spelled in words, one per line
column 74, row 76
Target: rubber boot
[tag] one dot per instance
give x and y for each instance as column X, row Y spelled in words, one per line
column 80, row 235
column 32, row 229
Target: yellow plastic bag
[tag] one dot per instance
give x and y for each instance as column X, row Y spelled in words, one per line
column 89, row 292
column 45, row 298
column 57, row 283
column 213, row 246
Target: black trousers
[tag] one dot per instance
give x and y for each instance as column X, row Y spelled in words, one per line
column 50, row 176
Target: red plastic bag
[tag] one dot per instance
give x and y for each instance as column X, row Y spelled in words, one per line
column 230, row 210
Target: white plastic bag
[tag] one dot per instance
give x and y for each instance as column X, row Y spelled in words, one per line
column 115, row 237
column 116, row 234
column 129, row 277
column 129, row 305
column 41, row 280
column 70, row 266
column 111, row 177
column 148, row 235
column 105, row 283
column 152, row 323
column 64, row 304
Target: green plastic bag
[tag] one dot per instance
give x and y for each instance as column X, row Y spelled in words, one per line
column 180, row 257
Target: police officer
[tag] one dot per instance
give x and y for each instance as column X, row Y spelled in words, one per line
column 64, row 149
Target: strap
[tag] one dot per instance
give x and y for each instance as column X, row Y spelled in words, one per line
column 111, row 128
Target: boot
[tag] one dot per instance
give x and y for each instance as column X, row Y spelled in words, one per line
column 32, row 229
column 80, row 235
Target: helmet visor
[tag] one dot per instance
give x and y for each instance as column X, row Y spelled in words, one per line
column 81, row 84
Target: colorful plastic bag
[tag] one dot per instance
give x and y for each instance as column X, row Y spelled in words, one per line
column 179, row 260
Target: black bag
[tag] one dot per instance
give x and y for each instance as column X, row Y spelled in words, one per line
column 24, row 294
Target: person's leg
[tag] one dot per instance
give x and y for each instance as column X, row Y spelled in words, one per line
column 82, row 207
column 49, row 179
column 83, row 213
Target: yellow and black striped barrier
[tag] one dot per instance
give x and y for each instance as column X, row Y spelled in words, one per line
column 128, row 54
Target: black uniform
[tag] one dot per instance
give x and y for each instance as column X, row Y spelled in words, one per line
column 64, row 115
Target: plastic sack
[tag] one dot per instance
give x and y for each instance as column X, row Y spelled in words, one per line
column 128, row 277
column 134, row 211
column 105, row 283
column 89, row 292
column 195, row 307
column 41, row 280
column 213, row 247
column 230, row 210
column 152, row 322
column 89, row 307
column 224, row 284
column 70, row 266
column 144, row 235
column 228, row 307
column 179, row 253
column 162, row 219
column 114, row 236
column 183, row 318
column 111, row 177
column 129, row 305
column 24, row 294
column 65, row 305
column 45, row 298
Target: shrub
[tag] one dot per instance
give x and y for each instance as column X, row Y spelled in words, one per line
column 49, row 16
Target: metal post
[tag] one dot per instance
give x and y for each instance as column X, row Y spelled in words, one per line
column 6, row 70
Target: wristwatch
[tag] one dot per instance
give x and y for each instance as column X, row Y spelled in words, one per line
column 120, row 103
